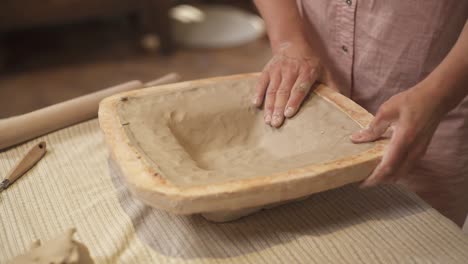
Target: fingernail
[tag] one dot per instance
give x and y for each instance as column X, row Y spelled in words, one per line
column 364, row 185
column 369, row 182
column 289, row 112
column 356, row 137
column 255, row 100
column 276, row 120
column 268, row 119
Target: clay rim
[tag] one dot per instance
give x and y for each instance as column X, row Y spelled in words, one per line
column 139, row 172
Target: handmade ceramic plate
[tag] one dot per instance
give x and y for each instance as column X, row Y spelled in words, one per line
column 202, row 147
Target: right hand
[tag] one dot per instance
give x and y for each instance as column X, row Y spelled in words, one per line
column 285, row 81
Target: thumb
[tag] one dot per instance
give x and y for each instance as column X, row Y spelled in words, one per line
column 374, row 131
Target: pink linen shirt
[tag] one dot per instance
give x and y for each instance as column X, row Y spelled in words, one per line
column 377, row 48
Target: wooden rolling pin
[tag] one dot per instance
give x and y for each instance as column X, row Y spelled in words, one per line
column 18, row 129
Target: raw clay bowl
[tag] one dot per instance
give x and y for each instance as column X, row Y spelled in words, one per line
column 201, row 147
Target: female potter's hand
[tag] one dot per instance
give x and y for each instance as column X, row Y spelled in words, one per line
column 285, row 81
column 411, row 118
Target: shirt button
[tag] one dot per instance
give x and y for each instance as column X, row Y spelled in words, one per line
column 344, row 48
column 349, row 2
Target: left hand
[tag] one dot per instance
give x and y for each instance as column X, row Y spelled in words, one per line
column 411, row 117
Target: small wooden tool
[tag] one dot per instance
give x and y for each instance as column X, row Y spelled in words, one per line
column 29, row 160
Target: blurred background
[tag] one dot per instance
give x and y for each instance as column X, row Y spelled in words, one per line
column 54, row 50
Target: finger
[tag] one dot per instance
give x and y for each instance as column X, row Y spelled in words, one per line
column 300, row 89
column 394, row 156
column 402, row 171
column 260, row 88
column 417, row 151
column 282, row 97
column 376, row 129
column 404, row 168
column 270, row 95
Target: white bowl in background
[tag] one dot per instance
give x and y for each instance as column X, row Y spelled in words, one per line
column 215, row 26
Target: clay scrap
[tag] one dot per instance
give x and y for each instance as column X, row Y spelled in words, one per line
column 62, row 249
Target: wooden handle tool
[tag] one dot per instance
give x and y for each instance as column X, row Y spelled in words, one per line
column 29, row 160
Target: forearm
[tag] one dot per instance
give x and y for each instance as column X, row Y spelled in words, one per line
column 448, row 83
column 283, row 21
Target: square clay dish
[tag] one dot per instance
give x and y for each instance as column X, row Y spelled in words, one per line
column 202, row 147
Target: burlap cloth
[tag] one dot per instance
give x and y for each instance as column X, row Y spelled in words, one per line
column 74, row 185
